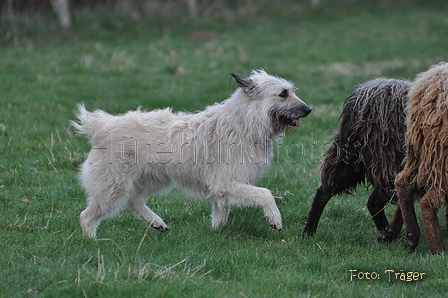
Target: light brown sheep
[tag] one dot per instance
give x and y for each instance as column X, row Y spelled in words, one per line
column 425, row 173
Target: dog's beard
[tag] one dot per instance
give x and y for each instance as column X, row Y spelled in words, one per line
column 284, row 119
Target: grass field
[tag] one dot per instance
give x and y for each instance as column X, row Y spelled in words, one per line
column 120, row 61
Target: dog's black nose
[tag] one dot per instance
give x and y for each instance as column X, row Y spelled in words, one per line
column 307, row 110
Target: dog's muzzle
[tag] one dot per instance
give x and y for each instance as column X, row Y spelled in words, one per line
column 290, row 117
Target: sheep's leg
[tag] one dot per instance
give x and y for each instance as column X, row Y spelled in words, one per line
column 376, row 204
column 392, row 231
column 446, row 219
column 412, row 227
column 429, row 215
column 320, row 201
column 406, row 204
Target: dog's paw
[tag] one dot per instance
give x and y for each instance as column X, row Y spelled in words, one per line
column 275, row 222
column 273, row 217
column 161, row 228
column 158, row 224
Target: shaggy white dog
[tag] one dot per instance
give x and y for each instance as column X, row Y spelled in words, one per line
column 219, row 153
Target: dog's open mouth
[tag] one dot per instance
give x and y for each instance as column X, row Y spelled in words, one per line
column 290, row 121
column 285, row 119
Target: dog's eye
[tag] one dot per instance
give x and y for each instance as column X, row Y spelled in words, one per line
column 284, row 94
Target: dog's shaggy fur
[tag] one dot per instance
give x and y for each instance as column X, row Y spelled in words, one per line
column 219, row 153
column 426, row 163
column 368, row 148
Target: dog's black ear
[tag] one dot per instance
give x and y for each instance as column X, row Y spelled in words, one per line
column 246, row 84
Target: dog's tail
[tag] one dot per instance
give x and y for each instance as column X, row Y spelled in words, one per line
column 89, row 123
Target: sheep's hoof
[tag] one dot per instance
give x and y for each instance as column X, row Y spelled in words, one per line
column 409, row 243
column 386, row 236
column 307, row 234
column 383, row 238
column 437, row 251
column 410, row 246
column 436, row 248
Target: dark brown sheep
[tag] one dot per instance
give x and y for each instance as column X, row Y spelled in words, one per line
column 425, row 173
column 367, row 149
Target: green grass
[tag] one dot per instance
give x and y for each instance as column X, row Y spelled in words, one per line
column 116, row 63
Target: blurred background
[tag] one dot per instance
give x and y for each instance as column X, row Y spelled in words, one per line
column 120, row 54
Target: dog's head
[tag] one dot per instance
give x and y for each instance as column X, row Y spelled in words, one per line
column 275, row 97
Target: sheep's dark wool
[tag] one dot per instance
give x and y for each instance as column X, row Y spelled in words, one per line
column 368, row 149
column 426, row 163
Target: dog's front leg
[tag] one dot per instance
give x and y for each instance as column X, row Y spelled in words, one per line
column 220, row 213
column 245, row 194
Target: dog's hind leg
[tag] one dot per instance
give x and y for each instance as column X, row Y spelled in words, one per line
column 107, row 190
column 89, row 220
column 101, row 206
column 137, row 202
